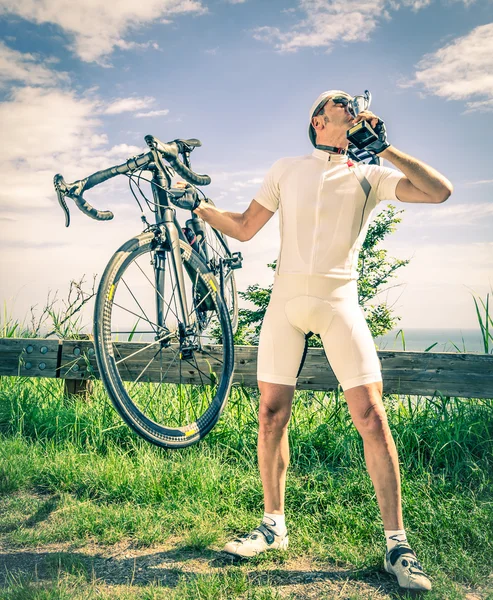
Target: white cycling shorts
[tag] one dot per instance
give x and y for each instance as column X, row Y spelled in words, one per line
column 327, row 306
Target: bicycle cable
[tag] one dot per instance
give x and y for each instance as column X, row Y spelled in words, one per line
column 130, row 182
column 131, row 177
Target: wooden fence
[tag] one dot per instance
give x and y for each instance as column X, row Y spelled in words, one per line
column 426, row 373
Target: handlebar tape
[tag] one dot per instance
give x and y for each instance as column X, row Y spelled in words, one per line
column 99, row 177
column 86, row 184
column 75, row 190
column 188, row 174
column 90, row 211
column 170, row 152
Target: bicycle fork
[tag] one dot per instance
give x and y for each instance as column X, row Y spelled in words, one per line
column 173, row 240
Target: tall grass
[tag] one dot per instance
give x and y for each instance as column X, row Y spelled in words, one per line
column 446, row 435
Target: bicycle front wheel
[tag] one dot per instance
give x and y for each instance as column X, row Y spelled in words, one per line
column 168, row 382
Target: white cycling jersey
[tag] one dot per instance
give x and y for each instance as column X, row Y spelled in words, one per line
column 324, row 211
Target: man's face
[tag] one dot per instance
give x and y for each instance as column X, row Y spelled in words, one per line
column 336, row 111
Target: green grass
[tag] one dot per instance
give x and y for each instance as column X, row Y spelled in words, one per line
column 71, row 471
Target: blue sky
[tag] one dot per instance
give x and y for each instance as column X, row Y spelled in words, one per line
column 82, row 83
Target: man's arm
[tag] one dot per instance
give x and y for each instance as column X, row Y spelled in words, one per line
column 421, row 183
column 241, row 226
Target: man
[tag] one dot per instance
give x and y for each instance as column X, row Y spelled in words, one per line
column 325, row 203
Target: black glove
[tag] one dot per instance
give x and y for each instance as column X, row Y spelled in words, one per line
column 186, row 198
column 382, row 143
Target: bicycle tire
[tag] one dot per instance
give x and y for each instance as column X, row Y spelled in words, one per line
column 111, row 352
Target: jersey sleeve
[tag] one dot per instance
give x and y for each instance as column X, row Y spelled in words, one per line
column 383, row 181
column 270, row 193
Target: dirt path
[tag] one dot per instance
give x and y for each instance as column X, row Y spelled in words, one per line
column 111, row 567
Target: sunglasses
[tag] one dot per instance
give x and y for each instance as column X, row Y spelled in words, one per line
column 344, row 100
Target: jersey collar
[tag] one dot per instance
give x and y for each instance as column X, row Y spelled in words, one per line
column 327, row 156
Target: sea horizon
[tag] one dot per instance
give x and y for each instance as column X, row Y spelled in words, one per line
column 421, row 338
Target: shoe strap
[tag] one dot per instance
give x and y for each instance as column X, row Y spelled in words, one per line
column 266, row 532
column 398, row 551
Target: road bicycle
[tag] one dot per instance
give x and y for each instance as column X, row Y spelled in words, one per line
column 167, row 307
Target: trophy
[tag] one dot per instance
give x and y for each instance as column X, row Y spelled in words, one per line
column 362, row 134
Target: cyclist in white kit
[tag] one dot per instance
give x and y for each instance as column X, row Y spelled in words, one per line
column 325, row 204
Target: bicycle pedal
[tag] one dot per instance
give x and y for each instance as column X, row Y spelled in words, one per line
column 235, row 262
column 186, row 353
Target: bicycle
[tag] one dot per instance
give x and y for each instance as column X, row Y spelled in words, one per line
column 172, row 287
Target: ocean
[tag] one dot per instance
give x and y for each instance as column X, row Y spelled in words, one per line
column 467, row 340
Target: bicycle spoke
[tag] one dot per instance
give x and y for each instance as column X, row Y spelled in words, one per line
column 191, row 400
column 155, row 288
column 169, row 305
column 196, row 366
column 115, row 347
column 212, row 356
column 135, row 315
column 175, row 285
column 136, row 301
column 138, row 351
column 145, row 369
column 162, row 378
column 208, row 294
column 134, row 332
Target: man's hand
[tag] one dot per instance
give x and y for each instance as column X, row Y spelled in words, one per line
column 184, row 196
column 378, row 127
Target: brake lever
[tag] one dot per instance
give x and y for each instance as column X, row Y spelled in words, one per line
column 186, row 158
column 61, row 190
column 177, row 192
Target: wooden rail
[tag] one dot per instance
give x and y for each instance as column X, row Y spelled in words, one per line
column 426, row 373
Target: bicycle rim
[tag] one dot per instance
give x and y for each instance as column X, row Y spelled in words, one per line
column 169, row 394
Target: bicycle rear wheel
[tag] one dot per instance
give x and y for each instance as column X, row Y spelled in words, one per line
column 169, row 383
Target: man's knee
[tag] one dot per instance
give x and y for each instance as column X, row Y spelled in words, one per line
column 372, row 422
column 275, row 405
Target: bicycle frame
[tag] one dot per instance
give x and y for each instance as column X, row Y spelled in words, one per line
column 166, row 220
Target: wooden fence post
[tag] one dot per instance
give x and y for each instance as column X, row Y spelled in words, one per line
column 81, row 388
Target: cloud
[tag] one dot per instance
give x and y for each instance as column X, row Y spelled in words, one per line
column 480, row 106
column 95, row 28
column 326, row 22
column 124, row 45
column 480, row 182
column 26, row 68
column 153, row 113
column 249, row 183
column 124, row 150
column 134, row 104
column 46, row 130
column 128, row 105
column 450, row 214
column 460, row 70
column 39, row 122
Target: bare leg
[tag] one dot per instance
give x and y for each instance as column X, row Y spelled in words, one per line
column 370, row 419
column 273, row 448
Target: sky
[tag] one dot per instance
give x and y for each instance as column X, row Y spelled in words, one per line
column 82, row 83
